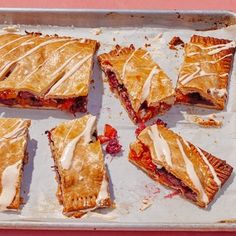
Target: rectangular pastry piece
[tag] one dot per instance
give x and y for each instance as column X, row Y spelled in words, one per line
column 204, row 75
column 174, row 162
column 81, row 174
column 49, row 72
column 141, row 85
column 13, row 155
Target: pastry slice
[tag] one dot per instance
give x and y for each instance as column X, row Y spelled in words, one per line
column 141, row 85
column 81, row 173
column 174, row 162
column 13, row 156
column 49, row 72
column 204, row 75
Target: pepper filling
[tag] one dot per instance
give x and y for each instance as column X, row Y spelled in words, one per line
column 73, row 105
column 145, row 112
column 192, row 98
column 144, row 160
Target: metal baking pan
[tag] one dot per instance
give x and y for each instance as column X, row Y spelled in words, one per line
column 129, row 185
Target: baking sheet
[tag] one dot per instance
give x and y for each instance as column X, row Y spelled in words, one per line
column 129, row 185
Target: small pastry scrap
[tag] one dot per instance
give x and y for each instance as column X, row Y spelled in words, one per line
column 207, row 121
column 13, row 156
column 49, row 72
column 141, row 85
column 204, row 75
column 174, row 162
column 83, row 183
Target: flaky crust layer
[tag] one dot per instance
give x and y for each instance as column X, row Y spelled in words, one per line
column 13, row 139
column 81, row 183
column 50, row 66
column 179, row 168
column 143, row 79
column 205, row 70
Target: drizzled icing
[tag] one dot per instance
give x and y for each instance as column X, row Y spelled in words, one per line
column 13, row 41
column 192, row 174
column 216, row 48
column 216, row 179
column 147, row 84
column 199, row 72
column 67, row 155
column 218, row 92
column 44, row 62
column 9, row 181
column 103, row 192
column 69, row 73
column 125, row 64
column 8, row 65
column 16, row 132
column 161, row 147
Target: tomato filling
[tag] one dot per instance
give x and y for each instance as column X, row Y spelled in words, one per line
column 145, row 112
column 192, row 98
column 73, row 105
column 144, row 160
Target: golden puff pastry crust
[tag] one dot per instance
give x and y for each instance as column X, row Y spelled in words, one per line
column 13, row 156
column 204, row 75
column 171, row 160
column 142, row 86
column 45, row 71
column 81, row 173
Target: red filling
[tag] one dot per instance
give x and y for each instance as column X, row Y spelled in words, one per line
column 11, row 98
column 192, row 98
column 111, row 138
column 143, row 159
column 145, row 113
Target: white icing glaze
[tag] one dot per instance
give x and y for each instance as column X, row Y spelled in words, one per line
column 192, row 174
column 68, row 152
column 13, row 41
column 16, row 132
column 9, row 180
column 147, row 84
column 218, row 92
column 216, row 179
column 185, row 142
column 8, row 65
column 103, row 193
column 44, row 62
column 69, row 73
column 125, row 64
column 188, row 77
column 161, row 147
column 216, row 48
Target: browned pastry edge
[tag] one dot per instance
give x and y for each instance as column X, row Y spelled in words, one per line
column 74, row 213
column 226, row 65
column 223, row 171
column 18, row 200
column 147, row 112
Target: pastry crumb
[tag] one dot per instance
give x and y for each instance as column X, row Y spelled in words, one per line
column 114, row 39
column 146, row 203
column 96, row 31
column 11, row 28
column 175, row 41
column 208, row 121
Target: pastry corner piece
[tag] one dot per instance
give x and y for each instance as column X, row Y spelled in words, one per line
column 174, row 162
column 141, row 85
column 204, row 75
column 47, row 72
column 82, row 178
column 13, row 156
